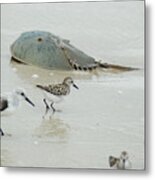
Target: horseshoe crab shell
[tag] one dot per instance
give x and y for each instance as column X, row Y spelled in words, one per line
column 45, row 50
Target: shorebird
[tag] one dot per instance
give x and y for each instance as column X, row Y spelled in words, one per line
column 120, row 163
column 1, row 132
column 54, row 93
column 11, row 101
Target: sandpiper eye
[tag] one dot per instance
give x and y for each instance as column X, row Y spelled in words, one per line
column 22, row 94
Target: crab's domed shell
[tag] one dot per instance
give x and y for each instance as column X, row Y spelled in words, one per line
column 43, row 49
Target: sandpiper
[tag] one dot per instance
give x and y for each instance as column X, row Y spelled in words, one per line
column 54, row 93
column 120, row 163
column 11, row 101
column 1, row 132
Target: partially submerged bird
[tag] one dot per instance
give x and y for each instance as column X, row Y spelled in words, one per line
column 54, row 93
column 11, row 101
column 120, row 163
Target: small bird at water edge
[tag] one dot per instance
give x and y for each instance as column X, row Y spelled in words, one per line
column 54, row 93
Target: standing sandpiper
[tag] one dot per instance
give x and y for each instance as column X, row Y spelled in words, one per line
column 54, row 93
column 120, row 163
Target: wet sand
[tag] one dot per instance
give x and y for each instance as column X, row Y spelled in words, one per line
column 105, row 116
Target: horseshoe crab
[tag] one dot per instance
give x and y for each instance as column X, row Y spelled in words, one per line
column 45, row 50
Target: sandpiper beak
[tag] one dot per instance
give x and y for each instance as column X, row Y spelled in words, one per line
column 28, row 100
column 74, row 85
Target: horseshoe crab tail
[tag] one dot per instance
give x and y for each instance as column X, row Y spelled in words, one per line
column 116, row 67
column 94, row 65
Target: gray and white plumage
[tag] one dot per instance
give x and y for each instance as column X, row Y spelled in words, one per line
column 61, row 89
column 55, row 92
column 9, row 102
column 120, row 163
column 3, row 104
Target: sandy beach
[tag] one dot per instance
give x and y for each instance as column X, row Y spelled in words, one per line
column 105, row 116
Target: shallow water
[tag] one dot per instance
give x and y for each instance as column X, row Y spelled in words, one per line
column 105, row 116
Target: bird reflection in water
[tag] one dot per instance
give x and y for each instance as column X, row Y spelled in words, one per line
column 52, row 126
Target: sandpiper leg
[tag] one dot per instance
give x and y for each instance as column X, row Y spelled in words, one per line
column 47, row 106
column 53, row 107
column 1, row 132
